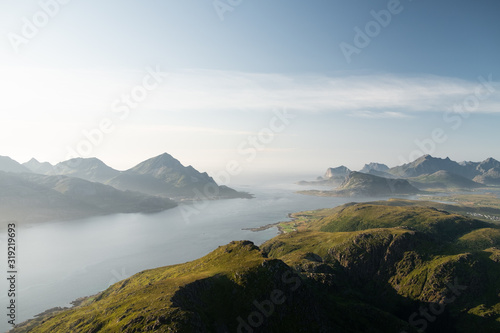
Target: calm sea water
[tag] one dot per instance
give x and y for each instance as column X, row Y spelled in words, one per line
column 61, row 261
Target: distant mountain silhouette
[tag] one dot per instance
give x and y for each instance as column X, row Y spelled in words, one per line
column 374, row 167
column 485, row 172
column 426, row 172
column 338, row 172
column 7, row 164
column 443, row 180
column 30, row 197
column 165, row 176
column 162, row 175
column 37, row 167
column 362, row 184
column 91, row 169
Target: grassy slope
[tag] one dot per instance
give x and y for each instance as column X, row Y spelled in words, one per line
column 434, row 248
column 360, row 266
column 208, row 295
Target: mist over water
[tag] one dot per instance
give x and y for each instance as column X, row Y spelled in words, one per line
column 61, row 261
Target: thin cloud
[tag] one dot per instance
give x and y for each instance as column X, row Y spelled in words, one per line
column 395, row 95
column 46, row 93
column 380, row 115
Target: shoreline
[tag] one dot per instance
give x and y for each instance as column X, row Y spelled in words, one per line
column 281, row 231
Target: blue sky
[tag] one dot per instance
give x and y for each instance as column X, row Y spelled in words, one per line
column 423, row 77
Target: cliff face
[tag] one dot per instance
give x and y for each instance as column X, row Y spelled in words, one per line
column 374, row 167
column 338, row 172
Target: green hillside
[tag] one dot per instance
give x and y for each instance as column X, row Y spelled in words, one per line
column 217, row 293
column 371, row 267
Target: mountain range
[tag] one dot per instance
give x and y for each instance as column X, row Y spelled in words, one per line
column 83, row 187
column 358, row 184
column 162, row 175
column 29, row 197
column 428, row 172
column 362, row 184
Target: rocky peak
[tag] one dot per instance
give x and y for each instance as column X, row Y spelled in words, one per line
column 340, row 171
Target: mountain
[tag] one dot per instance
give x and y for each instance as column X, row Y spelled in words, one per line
column 370, row 267
column 426, row 165
column 333, row 178
column 481, row 167
column 362, row 184
column 489, row 172
column 235, row 288
column 39, row 198
column 162, row 175
column 380, row 174
column 165, row 176
column 492, row 176
column 374, row 167
column 338, row 172
column 486, row 172
column 443, row 180
column 91, row 169
column 7, row 164
column 403, row 259
column 42, row 168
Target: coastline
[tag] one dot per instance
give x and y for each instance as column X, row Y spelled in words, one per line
column 278, row 225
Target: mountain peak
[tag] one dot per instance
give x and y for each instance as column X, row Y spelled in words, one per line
column 9, row 165
column 427, row 164
column 490, row 160
column 341, row 171
column 374, row 166
column 38, row 167
column 169, row 169
column 164, row 160
column 426, row 157
column 91, row 169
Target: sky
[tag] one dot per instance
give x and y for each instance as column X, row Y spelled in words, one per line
column 288, row 86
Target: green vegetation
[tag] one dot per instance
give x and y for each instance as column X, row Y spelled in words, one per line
column 209, row 295
column 481, row 206
column 366, row 267
column 471, row 200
